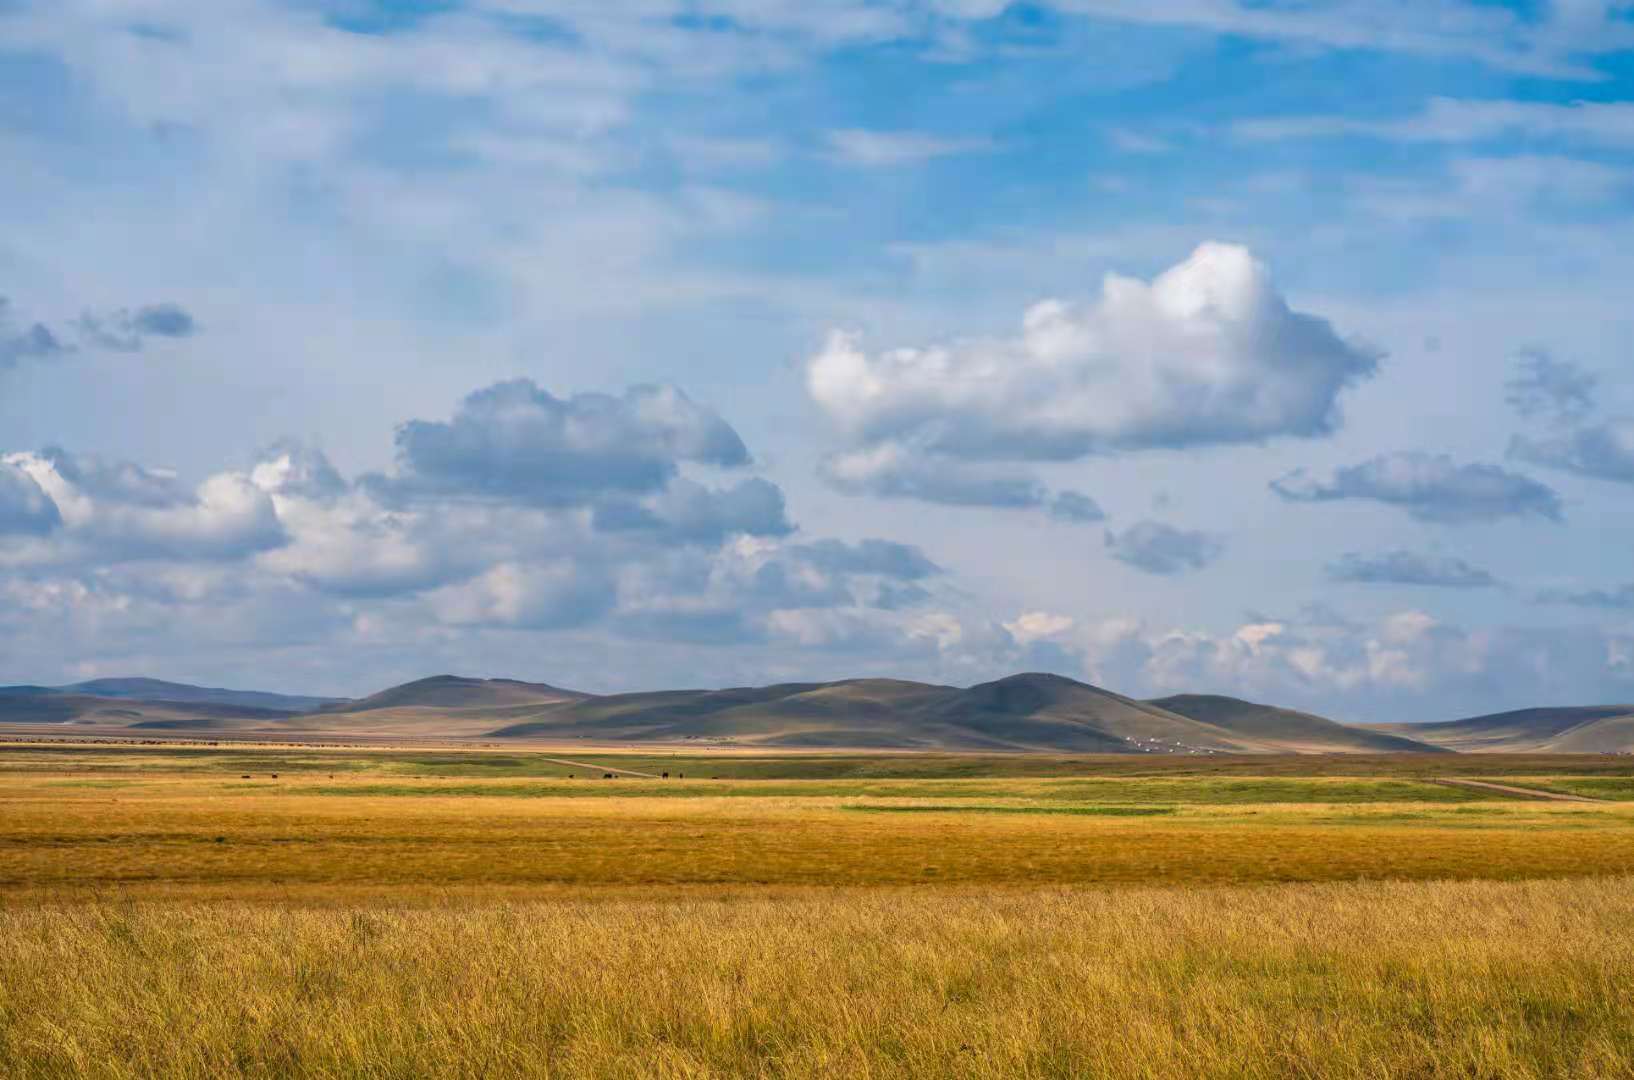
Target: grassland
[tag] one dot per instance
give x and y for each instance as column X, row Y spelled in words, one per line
column 1408, row 980
column 181, row 911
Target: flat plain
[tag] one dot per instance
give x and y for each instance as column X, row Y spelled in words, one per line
column 341, row 911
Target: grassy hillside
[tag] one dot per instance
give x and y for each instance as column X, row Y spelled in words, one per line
column 1022, row 712
column 1600, row 729
column 86, row 711
column 457, row 692
column 1029, row 712
column 1286, row 729
column 139, row 689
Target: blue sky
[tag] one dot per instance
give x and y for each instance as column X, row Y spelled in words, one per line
column 1274, row 349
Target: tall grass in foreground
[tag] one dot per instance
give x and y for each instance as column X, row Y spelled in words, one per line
column 1377, row 980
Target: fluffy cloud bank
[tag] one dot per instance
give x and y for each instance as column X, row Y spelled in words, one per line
column 112, row 512
column 523, row 512
column 1207, row 353
column 1404, row 666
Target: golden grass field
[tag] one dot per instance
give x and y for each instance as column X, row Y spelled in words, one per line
column 415, row 913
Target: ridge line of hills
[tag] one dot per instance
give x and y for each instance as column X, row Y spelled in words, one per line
column 1026, row 712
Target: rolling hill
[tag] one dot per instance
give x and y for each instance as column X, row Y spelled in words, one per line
column 139, row 689
column 159, row 690
column 55, row 707
column 1026, row 712
column 1587, row 729
column 457, row 692
column 1022, row 712
column 442, row 706
column 1288, row 730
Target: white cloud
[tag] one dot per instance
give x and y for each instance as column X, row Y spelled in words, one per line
column 1491, row 34
column 1557, row 390
column 1408, row 568
column 1403, row 666
column 1459, row 120
column 1602, row 450
column 1430, row 487
column 1208, row 353
column 1159, row 548
column 516, row 441
column 120, row 511
column 1031, row 626
column 291, row 545
column 886, row 149
column 1137, row 142
column 25, row 508
column 551, row 595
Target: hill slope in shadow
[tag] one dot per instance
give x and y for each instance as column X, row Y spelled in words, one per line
column 1288, row 730
column 1585, row 729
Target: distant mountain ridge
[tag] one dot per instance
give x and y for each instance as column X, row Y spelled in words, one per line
column 1025, row 712
column 1287, row 728
column 1034, row 711
column 1583, row 729
column 143, row 689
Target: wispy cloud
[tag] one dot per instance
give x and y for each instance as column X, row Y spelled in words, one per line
column 1456, row 120
column 888, row 149
column 1408, row 568
column 1159, row 548
column 1429, row 487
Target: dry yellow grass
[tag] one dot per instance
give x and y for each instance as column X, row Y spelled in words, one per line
column 190, row 838
column 161, row 917
column 1363, row 980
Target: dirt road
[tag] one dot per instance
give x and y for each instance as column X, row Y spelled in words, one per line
column 585, row 765
column 1511, row 789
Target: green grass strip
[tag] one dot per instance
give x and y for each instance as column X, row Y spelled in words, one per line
column 1092, row 811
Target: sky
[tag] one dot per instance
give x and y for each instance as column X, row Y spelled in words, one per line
column 1261, row 347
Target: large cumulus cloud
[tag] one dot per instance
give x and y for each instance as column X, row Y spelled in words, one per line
column 1207, row 353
